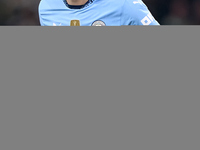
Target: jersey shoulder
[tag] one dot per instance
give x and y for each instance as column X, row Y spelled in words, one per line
column 138, row 13
column 51, row 4
column 131, row 5
column 43, row 5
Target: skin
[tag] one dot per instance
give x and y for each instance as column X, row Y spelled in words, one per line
column 76, row 2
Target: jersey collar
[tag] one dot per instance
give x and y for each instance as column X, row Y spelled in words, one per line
column 78, row 6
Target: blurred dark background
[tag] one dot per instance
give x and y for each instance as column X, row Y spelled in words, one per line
column 166, row 12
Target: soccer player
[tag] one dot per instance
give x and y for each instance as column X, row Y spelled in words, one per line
column 94, row 13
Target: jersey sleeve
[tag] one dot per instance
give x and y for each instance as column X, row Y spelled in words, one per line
column 40, row 7
column 41, row 20
column 135, row 12
column 42, row 12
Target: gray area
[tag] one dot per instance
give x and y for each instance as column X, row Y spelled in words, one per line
column 120, row 88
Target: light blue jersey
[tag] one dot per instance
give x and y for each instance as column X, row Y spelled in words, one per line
column 95, row 13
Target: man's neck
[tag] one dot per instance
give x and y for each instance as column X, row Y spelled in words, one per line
column 76, row 2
